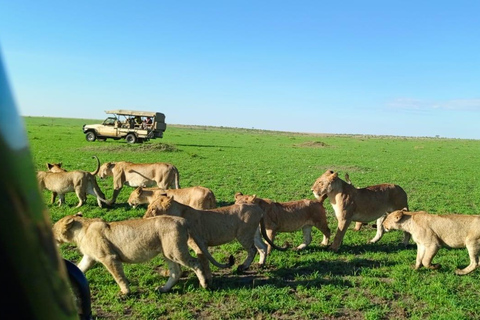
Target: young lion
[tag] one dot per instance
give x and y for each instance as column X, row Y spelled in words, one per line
column 431, row 232
column 196, row 197
column 78, row 181
column 290, row 216
column 359, row 204
column 133, row 241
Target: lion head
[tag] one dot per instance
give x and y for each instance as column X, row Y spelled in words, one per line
column 324, row 184
column 159, row 206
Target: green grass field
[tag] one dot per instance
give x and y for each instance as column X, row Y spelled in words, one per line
column 361, row 281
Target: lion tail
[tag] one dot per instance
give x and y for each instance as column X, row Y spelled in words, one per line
column 98, row 166
column 270, row 242
column 177, row 178
column 208, row 255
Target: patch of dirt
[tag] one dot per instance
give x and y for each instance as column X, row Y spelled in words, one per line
column 313, row 144
column 121, row 147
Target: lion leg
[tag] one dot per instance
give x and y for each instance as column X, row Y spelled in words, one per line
column 430, row 252
column 252, row 243
column 307, row 237
column 252, row 251
column 86, row 263
column 174, row 272
column 204, row 263
column 61, row 199
column 341, row 229
column 358, row 226
column 271, row 235
column 54, row 196
column 116, row 192
column 81, row 197
column 97, row 193
column 420, row 254
column 380, row 229
column 322, row 225
column 406, row 238
column 186, row 260
column 261, row 247
column 473, row 248
column 116, row 270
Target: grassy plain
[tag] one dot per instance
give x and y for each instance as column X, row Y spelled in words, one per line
column 361, row 281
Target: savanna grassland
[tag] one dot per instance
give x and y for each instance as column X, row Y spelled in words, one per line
column 361, row 281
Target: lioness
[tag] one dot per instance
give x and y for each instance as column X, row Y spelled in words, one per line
column 133, row 241
column 431, row 232
column 361, row 205
column 219, row 226
column 78, row 181
column 56, row 167
column 164, row 175
column 196, row 197
column 290, row 216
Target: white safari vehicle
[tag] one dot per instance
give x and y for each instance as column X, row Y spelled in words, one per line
column 133, row 126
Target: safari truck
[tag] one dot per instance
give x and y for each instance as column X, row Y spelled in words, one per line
column 133, row 126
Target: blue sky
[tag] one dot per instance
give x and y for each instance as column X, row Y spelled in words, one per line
column 409, row 68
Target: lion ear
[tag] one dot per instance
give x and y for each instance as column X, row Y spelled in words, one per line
column 334, row 176
column 78, row 214
column 399, row 216
column 69, row 222
column 238, row 194
column 49, row 165
column 139, row 190
column 405, row 209
column 170, row 198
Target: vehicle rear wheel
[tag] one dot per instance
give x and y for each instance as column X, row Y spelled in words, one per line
column 91, row 136
column 131, row 138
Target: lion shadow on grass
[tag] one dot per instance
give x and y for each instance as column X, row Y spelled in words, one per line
column 303, row 273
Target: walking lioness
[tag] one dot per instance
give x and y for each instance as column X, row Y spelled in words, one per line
column 219, row 226
column 359, row 204
column 196, row 197
column 133, row 241
column 431, row 232
column 163, row 175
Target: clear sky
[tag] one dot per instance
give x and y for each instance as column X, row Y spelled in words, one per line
column 409, row 68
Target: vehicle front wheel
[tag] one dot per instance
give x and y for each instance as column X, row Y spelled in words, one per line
column 131, row 138
column 91, row 136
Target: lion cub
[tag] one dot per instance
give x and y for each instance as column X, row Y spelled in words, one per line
column 59, row 181
column 431, row 232
column 134, row 241
column 290, row 216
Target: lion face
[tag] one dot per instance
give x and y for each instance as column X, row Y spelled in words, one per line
column 392, row 221
column 323, row 185
column 62, row 229
column 106, row 170
column 135, row 196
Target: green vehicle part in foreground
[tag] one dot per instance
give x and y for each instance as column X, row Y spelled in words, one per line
column 133, row 126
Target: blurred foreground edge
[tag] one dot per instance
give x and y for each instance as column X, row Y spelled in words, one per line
column 34, row 278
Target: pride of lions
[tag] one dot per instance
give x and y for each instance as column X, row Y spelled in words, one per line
column 179, row 219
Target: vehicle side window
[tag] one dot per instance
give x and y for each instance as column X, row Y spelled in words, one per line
column 109, row 122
